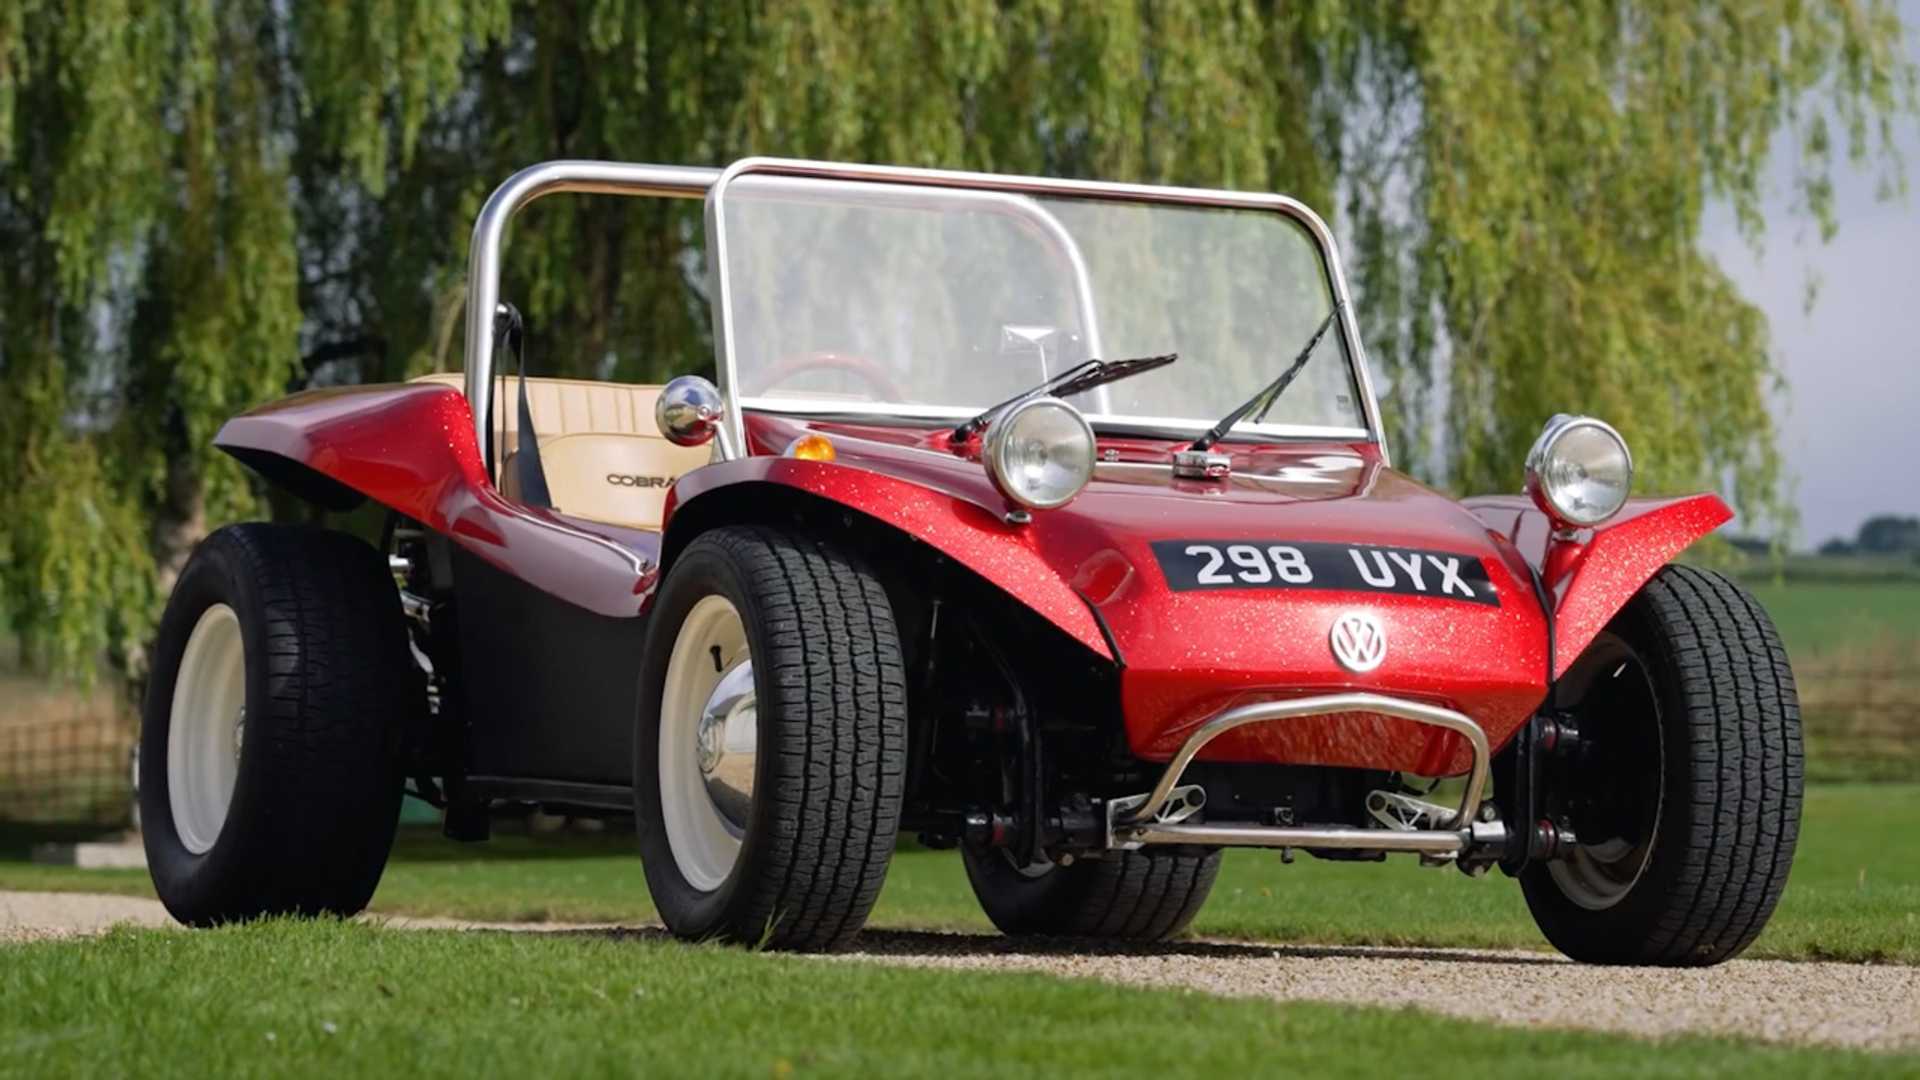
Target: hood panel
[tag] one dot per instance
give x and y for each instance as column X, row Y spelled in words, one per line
column 1373, row 541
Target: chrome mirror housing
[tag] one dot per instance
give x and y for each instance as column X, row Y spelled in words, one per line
column 689, row 411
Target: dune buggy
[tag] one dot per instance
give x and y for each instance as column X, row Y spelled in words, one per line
column 1047, row 520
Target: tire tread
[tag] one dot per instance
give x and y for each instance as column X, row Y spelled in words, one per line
column 837, row 783
column 1724, row 845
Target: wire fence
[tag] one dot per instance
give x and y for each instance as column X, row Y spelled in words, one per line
column 66, row 750
column 1861, row 723
column 67, row 771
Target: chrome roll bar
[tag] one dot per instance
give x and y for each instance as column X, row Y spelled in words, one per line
column 483, row 255
column 691, row 182
column 1138, row 820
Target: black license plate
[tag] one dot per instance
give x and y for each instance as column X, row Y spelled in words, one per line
column 1284, row 564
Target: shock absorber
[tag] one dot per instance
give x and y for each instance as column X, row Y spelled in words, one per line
column 1542, row 750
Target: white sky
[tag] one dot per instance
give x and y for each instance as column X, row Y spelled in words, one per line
column 1850, row 420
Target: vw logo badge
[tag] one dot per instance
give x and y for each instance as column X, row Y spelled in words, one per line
column 1359, row 641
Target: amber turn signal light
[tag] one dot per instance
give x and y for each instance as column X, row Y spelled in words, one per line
column 811, row 447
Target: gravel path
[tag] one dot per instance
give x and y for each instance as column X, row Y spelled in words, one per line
column 31, row 916
column 1871, row 1007
column 38, row 916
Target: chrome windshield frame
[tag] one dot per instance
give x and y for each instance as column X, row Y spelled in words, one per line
column 725, row 361
column 694, row 182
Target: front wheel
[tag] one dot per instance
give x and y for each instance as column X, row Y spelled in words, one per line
column 1685, row 797
column 770, row 751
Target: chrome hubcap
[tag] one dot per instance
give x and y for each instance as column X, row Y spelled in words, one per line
column 728, row 743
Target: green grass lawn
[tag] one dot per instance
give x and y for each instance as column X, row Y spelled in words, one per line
column 332, row 999
column 1854, row 894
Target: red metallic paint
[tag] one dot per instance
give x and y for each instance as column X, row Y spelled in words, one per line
column 1592, row 574
column 1186, row 655
column 410, row 447
column 962, row 529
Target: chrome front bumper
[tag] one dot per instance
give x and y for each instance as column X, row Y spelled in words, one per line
column 1159, row 816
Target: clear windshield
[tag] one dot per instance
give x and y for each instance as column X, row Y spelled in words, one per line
column 874, row 298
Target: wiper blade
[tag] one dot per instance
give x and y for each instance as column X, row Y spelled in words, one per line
column 1077, row 379
column 1270, row 393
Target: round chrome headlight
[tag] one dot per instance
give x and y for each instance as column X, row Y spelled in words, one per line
column 1040, row 452
column 1579, row 471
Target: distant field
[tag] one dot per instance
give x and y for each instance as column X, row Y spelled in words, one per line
column 1835, row 569
column 1820, row 619
column 1856, row 655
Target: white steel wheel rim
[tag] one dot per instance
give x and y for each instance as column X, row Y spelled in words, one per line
column 205, row 728
column 708, row 743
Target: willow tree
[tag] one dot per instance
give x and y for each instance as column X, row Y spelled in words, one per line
column 204, row 205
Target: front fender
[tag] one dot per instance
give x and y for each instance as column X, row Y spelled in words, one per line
column 1590, row 579
column 964, row 531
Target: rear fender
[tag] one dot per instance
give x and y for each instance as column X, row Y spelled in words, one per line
column 400, row 445
column 969, row 534
column 411, row 448
column 1591, row 576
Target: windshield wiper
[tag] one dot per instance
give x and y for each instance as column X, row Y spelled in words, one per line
column 1077, row 379
column 1269, row 393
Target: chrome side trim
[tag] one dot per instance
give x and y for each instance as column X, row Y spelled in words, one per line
column 1140, row 825
column 483, row 254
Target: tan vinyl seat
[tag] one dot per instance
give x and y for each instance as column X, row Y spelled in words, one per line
column 604, row 458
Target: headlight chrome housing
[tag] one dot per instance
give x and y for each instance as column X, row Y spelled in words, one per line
column 1039, row 452
column 1579, row 471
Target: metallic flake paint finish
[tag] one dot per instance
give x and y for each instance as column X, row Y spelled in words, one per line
column 971, row 535
column 410, row 447
column 1592, row 576
column 1187, row 655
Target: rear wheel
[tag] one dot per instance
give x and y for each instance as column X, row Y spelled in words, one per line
column 269, row 748
column 770, row 754
column 1685, row 797
column 1147, row 895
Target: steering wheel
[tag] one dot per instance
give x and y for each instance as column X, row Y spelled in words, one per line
column 801, row 363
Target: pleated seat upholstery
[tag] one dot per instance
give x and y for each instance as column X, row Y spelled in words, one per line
column 604, row 458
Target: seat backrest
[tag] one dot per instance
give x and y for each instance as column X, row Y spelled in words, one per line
column 604, row 458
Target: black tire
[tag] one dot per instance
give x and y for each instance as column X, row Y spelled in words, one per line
column 330, row 688
column 1147, row 895
column 1724, row 782
column 831, row 723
